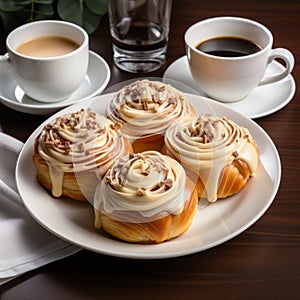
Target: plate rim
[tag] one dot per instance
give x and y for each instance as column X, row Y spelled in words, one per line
column 138, row 255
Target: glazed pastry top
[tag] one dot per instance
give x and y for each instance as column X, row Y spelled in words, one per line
column 79, row 141
column 146, row 107
column 141, row 187
column 207, row 144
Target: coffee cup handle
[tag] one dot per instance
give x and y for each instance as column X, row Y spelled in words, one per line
column 287, row 57
column 4, row 58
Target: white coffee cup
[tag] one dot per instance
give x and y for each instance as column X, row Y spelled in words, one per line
column 229, row 79
column 53, row 78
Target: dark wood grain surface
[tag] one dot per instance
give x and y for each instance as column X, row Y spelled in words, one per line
column 261, row 263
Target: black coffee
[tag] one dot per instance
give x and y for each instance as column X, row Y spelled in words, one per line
column 228, row 47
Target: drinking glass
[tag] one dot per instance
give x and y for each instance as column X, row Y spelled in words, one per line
column 139, row 30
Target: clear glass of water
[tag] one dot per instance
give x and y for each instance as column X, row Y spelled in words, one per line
column 139, row 30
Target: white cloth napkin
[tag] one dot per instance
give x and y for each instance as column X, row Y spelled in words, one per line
column 24, row 244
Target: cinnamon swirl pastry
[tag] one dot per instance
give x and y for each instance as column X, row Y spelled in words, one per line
column 146, row 109
column 145, row 198
column 221, row 155
column 74, row 152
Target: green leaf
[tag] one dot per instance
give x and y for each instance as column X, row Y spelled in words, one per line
column 98, row 7
column 78, row 13
column 86, row 13
column 90, row 21
column 70, row 10
column 44, row 1
column 20, row 2
column 43, row 11
column 11, row 6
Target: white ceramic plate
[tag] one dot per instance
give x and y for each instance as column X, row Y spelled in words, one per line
column 95, row 81
column 213, row 224
column 262, row 101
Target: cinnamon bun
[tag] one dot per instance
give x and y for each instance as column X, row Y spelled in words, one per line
column 146, row 109
column 72, row 153
column 219, row 154
column 145, row 198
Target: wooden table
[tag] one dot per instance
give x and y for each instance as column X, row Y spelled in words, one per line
column 261, row 263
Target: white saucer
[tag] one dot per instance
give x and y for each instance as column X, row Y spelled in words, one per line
column 95, row 81
column 263, row 101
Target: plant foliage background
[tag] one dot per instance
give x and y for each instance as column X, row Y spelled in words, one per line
column 86, row 13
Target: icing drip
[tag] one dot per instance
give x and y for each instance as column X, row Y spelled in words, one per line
column 142, row 187
column 207, row 144
column 146, row 108
column 78, row 142
column 57, row 180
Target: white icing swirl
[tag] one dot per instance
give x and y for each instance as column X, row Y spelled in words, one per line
column 146, row 108
column 142, row 187
column 78, row 142
column 207, row 144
